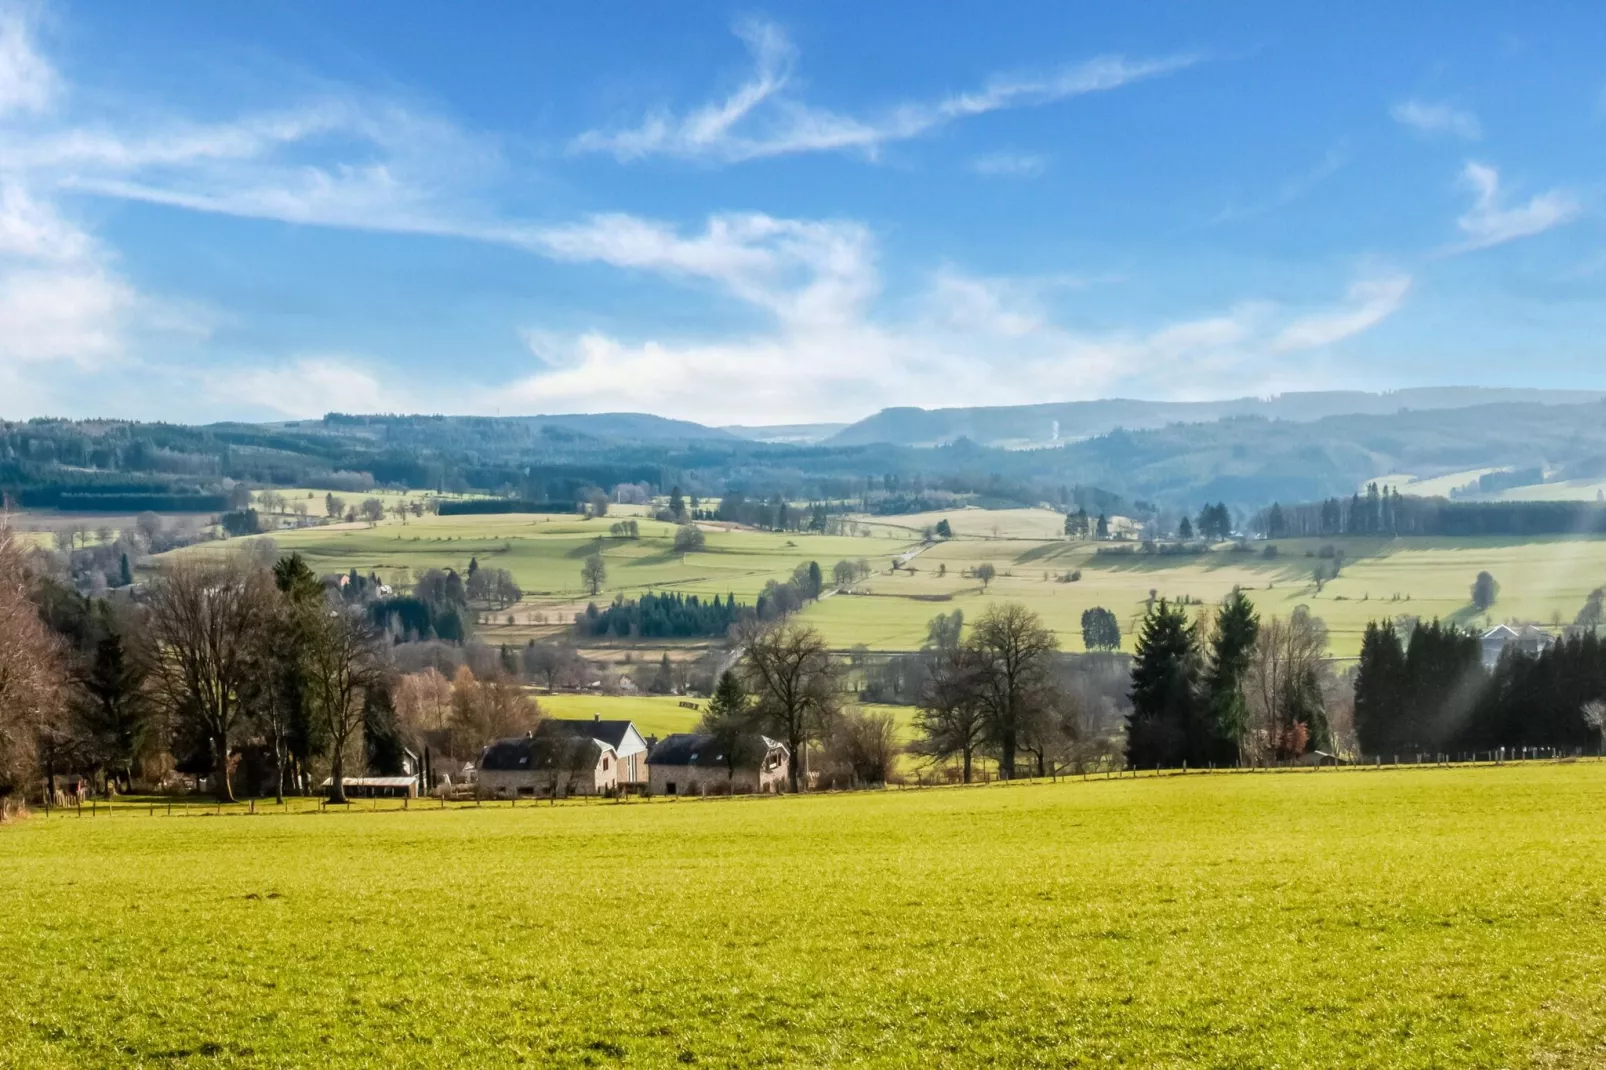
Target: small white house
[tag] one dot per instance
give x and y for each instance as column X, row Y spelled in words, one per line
column 1525, row 638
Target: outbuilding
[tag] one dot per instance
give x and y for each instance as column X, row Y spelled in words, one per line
column 375, row 787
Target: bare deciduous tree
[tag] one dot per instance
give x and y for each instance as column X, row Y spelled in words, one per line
column 863, row 746
column 1018, row 691
column 342, row 662
column 32, row 673
column 423, row 703
column 951, row 721
column 795, row 682
column 1284, row 684
column 487, row 710
column 594, row 573
column 205, row 620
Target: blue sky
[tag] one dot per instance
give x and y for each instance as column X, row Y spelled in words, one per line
column 793, row 212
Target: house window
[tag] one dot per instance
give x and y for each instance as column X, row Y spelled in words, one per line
column 604, row 765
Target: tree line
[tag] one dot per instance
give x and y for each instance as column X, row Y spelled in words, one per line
column 1383, row 511
column 246, row 668
column 1227, row 687
column 662, row 616
column 1426, row 690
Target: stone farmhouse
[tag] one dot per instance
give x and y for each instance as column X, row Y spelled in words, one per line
column 548, row 765
column 696, row 763
column 1523, row 637
column 627, row 743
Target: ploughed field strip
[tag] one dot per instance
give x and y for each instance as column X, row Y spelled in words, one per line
column 1417, row 917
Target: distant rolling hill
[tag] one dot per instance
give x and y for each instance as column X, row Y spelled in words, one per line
column 792, row 434
column 613, row 426
column 1024, row 426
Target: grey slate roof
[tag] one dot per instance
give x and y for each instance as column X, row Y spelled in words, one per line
column 703, row 749
column 524, row 754
column 610, row 732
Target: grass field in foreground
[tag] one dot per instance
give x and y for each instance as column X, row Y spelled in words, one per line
column 1338, row 918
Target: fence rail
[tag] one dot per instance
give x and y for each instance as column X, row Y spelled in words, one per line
column 98, row 808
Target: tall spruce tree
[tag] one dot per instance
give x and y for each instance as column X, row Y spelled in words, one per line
column 1231, row 647
column 1165, row 673
column 1379, row 689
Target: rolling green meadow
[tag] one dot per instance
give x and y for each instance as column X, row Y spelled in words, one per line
column 1541, row 578
column 661, row 715
column 1414, row 918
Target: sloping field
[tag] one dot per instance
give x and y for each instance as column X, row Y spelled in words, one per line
column 545, row 553
column 1339, row 918
column 654, row 715
column 1541, row 579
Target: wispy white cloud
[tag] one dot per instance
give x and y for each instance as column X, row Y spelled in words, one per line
column 28, row 83
column 761, row 118
column 1368, row 303
column 307, row 386
column 1437, row 119
column 1491, row 222
column 819, row 338
column 1010, row 164
column 968, row 340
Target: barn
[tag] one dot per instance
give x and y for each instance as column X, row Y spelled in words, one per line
column 546, row 765
column 699, row 763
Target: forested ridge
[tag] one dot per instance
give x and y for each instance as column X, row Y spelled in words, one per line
column 1247, row 462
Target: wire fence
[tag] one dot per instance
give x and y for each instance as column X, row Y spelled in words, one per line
column 99, row 808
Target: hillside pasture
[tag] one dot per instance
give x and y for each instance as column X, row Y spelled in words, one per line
column 654, row 715
column 545, row 552
column 971, row 522
column 1394, row 918
column 1541, row 579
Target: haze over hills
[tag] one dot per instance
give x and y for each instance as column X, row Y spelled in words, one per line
column 1246, row 452
column 799, row 434
column 1055, row 422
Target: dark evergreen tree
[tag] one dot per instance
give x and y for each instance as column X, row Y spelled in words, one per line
column 381, row 734
column 1380, row 688
column 1165, row 672
column 1231, row 646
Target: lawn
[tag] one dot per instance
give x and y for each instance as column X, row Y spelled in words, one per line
column 661, row 715
column 1409, row 918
